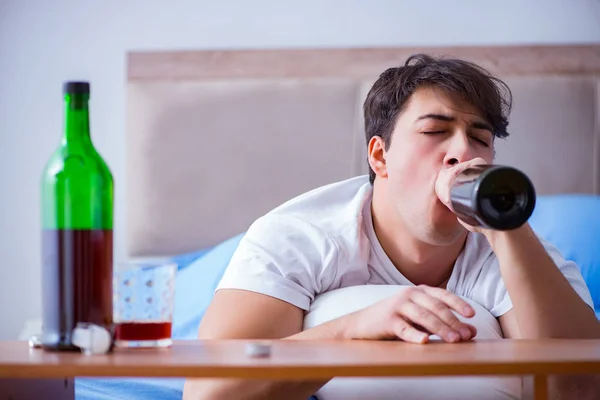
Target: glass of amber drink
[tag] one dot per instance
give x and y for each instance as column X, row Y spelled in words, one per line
column 144, row 293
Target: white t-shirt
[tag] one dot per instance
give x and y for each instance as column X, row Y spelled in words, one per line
column 324, row 240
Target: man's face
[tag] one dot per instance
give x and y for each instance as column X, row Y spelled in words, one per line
column 433, row 132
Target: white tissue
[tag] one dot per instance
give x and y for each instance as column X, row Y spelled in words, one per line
column 91, row 339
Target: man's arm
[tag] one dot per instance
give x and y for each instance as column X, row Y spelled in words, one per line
column 544, row 304
column 240, row 314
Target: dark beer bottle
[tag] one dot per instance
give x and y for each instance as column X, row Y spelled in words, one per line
column 493, row 196
column 77, row 223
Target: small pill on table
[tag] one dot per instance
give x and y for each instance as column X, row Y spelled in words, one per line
column 255, row 349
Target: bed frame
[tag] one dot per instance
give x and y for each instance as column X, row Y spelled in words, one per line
column 215, row 139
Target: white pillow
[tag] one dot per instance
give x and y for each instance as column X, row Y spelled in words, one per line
column 339, row 302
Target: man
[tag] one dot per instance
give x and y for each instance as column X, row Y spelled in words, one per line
column 425, row 122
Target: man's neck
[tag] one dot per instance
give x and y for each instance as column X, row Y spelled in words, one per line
column 420, row 262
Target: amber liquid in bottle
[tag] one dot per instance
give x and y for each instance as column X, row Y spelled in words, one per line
column 77, row 229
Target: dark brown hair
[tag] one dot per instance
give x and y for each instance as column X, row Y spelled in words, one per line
column 457, row 78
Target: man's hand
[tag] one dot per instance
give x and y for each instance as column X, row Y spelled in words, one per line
column 412, row 315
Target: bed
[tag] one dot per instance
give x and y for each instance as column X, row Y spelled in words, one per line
column 215, row 139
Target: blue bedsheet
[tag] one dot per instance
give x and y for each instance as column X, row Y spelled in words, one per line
column 198, row 274
column 128, row 389
column 197, row 277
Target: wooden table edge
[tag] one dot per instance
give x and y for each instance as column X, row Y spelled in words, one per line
column 297, row 372
column 241, row 367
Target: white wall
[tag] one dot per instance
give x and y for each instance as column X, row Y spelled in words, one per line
column 44, row 42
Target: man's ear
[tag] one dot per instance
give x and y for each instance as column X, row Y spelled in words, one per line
column 376, row 156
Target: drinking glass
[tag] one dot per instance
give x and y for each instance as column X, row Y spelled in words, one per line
column 143, row 301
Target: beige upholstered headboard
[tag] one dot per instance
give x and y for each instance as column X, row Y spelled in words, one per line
column 216, row 139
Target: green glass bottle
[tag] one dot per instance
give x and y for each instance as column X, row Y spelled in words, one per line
column 77, row 229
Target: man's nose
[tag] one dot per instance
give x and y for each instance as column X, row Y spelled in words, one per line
column 458, row 151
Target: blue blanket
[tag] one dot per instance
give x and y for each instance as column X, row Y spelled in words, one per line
column 198, row 274
column 128, row 389
column 197, row 277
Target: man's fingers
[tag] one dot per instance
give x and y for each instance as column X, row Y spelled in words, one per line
column 449, row 298
column 428, row 320
column 456, row 169
column 408, row 333
column 448, row 175
column 476, row 161
column 473, row 330
column 443, row 312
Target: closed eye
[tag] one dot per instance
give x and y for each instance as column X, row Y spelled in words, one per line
column 481, row 141
column 434, row 132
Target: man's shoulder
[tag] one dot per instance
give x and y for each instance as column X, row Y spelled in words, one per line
column 293, row 251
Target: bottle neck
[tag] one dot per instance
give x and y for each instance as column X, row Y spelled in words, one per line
column 77, row 120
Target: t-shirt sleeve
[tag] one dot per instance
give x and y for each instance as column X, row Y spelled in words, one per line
column 497, row 298
column 282, row 257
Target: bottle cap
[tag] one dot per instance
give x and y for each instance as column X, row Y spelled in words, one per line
column 91, row 339
column 76, row 87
